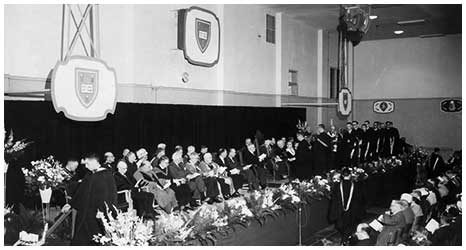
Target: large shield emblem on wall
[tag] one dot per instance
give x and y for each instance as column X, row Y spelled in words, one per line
column 202, row 34
column 87, row 85
column 384, row 107
column 451, row 105
column 345, row 102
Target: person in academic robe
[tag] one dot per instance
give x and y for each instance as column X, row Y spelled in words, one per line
column 436, row 165
column 375, row 141
column 280, row 159
column 130, row 160
column 347, row 205
column 96, row 192
column 385, row 141
column 393, row 221
column 235, row 171
column 178, row 174
column 291, row 158
column 142, row 201
column 158, row 183
column 321, row 151
column 358, row 134
column 252, row 161
column 350, row 143
column 405, row 148
column 334, row 141
column 303, row 163
column 364, row 146
column 393, row 139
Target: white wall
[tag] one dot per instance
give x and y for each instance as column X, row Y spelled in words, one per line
column 416, row 74
column 408, row 68
column 139, row 41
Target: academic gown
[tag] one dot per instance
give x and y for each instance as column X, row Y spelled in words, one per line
column 436, row 165
column 303, row 163
column 349, row 148
column 321, row 148
column 394, row 138
column 96, row 190
column 376, row 143
column 346, row 221
column 364, row 147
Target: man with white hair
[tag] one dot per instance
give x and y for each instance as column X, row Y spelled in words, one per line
column 178, row 173
column 109, row 160
column 162, row 146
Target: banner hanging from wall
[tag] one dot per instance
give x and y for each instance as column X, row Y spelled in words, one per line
column 345, row 102
column 451, row 105
column 199, row 36
column 383, row 107
column 84, row 88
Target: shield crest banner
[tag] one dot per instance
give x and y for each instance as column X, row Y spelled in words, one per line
column 384, row 107
column 202, row 34
column 86, row 85
column 345, row 100
column 451, row 106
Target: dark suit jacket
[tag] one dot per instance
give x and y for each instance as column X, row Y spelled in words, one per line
column 177, row 171
column 249, row 158
column 230, row 164
column 122, row 182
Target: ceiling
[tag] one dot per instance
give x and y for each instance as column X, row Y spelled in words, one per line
column 439, row 19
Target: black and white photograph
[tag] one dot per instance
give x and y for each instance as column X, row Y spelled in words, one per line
column 209, row 123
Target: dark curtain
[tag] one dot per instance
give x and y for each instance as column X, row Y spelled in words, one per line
column 144, row 125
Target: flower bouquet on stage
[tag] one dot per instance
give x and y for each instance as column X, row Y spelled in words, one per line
column 43, row 177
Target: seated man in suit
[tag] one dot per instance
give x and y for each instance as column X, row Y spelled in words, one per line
column 252, row 161
column 142, row 200
column 196, row 182
column 236, row 172
column 211, row 169
column 178, row 173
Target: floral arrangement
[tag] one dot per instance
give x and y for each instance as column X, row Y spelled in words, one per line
column 12, row 149
column 45, row 173
column 316, row 188
column 237, row 208
column 302, row 127
column 126, row 229
column 358, row 174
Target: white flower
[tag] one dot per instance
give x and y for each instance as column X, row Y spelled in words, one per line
column 41, row 179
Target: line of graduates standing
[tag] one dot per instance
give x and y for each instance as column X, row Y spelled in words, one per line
column 332, row 149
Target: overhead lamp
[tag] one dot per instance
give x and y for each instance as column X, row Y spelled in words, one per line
column 372, row 17
column 398, row 32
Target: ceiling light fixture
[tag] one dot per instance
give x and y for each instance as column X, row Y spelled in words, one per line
column 372, row 17
column 398, row 32
column 411, row 21
column 432, row 35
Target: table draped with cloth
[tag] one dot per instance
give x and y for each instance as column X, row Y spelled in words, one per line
column 283, row 231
